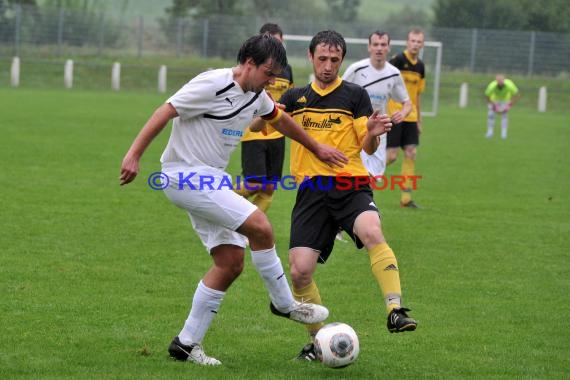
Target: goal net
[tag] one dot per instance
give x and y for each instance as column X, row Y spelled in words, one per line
column 297, row 46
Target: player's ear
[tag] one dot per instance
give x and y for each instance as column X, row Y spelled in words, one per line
column 250, row 61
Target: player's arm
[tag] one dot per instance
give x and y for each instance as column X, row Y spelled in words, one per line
column 257, row 125
column 515, row 99
column 376, row 125
column 419, row 111
column 399, row 116
column 155, row 124
column 288, row 127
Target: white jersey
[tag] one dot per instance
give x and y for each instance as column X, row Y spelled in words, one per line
column 381, row 85
column 213, row 112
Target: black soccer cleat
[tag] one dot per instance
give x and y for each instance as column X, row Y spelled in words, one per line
column 192, row 353
column 308, row 353
column 410, row 204
column 399, row 321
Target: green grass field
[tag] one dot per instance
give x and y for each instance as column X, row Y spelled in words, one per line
column 96, row 279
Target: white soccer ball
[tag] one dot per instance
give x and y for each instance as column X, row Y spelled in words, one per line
column 336, row 345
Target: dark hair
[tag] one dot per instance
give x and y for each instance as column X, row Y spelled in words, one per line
column 379, row 33
column 328, row 37
column 262, row 47
column 272, row 29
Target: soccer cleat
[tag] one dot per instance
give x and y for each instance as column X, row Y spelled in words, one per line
column 307, row 313
column 410, row 204
column 340, row 237
column 308, row 353
column 399, row 321
column 192, row 353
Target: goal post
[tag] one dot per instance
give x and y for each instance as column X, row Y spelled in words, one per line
column 431, row 55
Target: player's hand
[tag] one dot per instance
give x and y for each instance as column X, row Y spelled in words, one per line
column 330, row 156
column 378, row 124
column 495, row 107
column 397, row 117
column 420, row 129
column 129, row 169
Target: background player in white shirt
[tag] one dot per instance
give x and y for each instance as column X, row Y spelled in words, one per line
column 210, row 113
column 382, row 81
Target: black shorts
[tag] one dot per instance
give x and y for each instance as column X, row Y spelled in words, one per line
column 263, row 158
column 403, row 134
column 322, row 208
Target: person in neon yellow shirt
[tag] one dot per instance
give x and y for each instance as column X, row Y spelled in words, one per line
column 502, row 94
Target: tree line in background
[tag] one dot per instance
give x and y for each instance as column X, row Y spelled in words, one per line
column 527, row 15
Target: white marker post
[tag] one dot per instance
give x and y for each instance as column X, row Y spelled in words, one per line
column 542, row 95
column 162, row 79
column 68, row 74
column 15, row 72
column 116, row 76
column 463, row 95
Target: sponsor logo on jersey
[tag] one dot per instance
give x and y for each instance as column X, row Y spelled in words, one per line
column 309, row 123
column 232, row 132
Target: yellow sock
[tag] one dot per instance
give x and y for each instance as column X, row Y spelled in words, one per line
column 241, row 190
column 262, row 201
column 385, row 269
column 408, row 169
column 310, row 293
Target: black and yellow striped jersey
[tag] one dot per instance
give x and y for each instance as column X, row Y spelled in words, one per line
column 283, row 82
column 335, row 116
column 413, row 72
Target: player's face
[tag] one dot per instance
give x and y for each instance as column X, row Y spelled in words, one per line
column 378, row 48
column 262, row 75
column 415, row 43
column 326, row 63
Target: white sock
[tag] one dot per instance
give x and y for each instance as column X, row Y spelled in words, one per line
column 490, row 122
column 271, row 271
column 504, row 125
column 205, row 306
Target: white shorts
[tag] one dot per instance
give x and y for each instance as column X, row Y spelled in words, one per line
column 214, row 209
column 376, row 163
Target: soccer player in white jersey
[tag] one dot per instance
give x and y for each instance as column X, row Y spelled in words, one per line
column 210, row 113
column 382, row 81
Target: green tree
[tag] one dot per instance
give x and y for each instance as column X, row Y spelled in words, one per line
column 344, row 10
column 398, row 23
column 8, row 16
column 201, row 8
column 538, row 15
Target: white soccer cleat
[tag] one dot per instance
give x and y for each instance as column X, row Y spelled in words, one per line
column 192, row 353
column 340, row 237
column 307, row 313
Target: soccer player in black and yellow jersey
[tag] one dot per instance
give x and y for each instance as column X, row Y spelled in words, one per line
column 406, row 135
column 340, row 114
column 262, row 154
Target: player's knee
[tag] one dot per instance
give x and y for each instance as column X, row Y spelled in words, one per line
column 233, row 269
column 301, row 277
column 258, row 230
column 371, row 235
column 391, row 156
column 268, row 189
